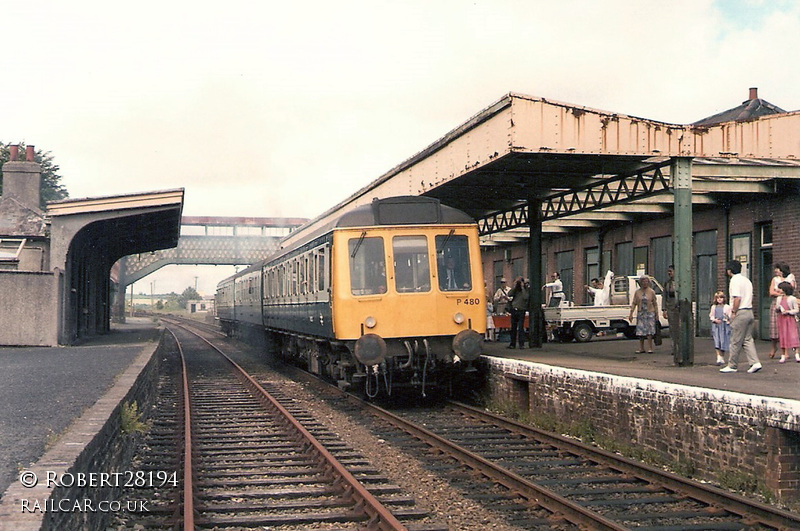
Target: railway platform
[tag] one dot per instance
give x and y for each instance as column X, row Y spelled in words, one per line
column 616, row 355
column 54, row 400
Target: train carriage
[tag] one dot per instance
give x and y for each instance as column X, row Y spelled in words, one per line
column 390, row 294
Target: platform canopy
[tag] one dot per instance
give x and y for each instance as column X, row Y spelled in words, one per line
column 121, row 224
column 89, row 235
column 585, row 167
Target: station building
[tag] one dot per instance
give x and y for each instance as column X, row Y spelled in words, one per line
column 745, row 206
column 55, row 264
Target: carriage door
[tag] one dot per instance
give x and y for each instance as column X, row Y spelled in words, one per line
column 705, row 244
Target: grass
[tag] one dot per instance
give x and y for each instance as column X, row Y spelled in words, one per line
column 131, row 419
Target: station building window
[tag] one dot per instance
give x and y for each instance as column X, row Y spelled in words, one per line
column 623, row 264
column 592, row 261
column 640, row 261
column 517, row 270
column 662, row 257
column 497, row 269
column 740, row 250
column 564, row 265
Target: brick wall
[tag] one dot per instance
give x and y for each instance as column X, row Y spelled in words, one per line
column 706, row 430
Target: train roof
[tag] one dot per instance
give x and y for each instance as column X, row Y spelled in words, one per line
column 400, row 210
column 403, row 210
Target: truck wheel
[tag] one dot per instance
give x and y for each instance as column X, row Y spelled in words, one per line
column 630, row 332
column 582, row 333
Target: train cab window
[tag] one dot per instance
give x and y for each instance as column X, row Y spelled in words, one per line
column 367, row 266
column 452, row 262
column 411, row 269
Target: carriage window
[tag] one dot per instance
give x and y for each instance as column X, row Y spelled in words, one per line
column 321, row 270
column 367, row 266
column 301, row 287
column 452, row 262
column 411, row 269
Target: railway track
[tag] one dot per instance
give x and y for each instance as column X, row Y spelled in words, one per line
column 545, row 481
column 590, row 487
column 249, row 462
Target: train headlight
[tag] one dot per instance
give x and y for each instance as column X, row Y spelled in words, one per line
column 459, row 318
column 370, row 322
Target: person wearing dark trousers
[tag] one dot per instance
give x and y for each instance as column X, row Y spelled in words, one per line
column 672, row 311
column 519, row 303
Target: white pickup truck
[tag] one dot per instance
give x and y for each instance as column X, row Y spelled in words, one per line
column 583, row 322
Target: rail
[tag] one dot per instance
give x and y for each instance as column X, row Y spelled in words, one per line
column 379, row 517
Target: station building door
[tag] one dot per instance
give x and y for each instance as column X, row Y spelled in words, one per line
column 564, row 264
column 705, row 244
column 766, row 271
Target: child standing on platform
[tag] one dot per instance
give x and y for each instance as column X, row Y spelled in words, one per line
column 786, row 308
column 720, row 316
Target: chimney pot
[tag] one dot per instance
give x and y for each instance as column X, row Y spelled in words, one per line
column 753, row 93
column 13, row 152
column 29, row 154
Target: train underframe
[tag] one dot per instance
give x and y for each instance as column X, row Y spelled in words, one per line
column 425, row 366
column 422, row 366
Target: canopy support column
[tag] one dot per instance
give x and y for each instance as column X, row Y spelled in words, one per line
column 536, row 319
column 681, row 172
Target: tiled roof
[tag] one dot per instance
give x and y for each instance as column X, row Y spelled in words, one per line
column 750, row 109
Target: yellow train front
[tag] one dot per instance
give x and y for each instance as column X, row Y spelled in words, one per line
column 406, row 298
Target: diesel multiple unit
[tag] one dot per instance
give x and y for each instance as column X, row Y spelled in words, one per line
column 389, row 294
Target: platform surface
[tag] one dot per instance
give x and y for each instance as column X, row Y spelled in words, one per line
column 44, row 390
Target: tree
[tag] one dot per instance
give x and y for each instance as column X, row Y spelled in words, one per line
column 51, row 187
column 189, row 294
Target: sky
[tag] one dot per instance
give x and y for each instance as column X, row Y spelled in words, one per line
column 264, row 108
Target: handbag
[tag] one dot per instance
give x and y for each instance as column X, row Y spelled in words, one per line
column 657, row 339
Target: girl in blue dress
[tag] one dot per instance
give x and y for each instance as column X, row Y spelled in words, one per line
column 720, row 316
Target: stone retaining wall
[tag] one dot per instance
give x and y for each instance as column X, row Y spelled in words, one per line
column 703, row 430
column 110, row 450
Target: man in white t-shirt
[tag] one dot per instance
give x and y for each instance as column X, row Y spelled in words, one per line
column 556, row 290
column 740, row 290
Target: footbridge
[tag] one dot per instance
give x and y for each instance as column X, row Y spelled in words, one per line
column 206, row 240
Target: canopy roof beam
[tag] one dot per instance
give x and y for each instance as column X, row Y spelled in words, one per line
column 597, row 195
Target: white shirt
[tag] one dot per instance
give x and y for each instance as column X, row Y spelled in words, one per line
column 557, row 287
column 599, row 296
column 741, row 287
column 501, row 295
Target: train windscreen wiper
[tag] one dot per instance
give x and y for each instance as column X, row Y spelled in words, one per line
column 358, row 244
